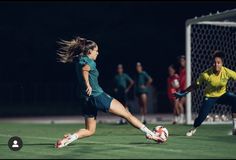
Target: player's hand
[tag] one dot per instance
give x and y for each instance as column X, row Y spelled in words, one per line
column 180, row 94
column 89, row 90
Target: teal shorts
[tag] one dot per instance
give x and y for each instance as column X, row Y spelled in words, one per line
column 91, row 105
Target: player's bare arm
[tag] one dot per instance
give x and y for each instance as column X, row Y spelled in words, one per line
column 85, row 73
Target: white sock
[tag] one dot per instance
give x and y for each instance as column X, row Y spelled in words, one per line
column 73, row 137
column 146, row 130
column 234, row 123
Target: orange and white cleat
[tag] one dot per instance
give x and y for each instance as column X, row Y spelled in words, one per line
column 65, row 141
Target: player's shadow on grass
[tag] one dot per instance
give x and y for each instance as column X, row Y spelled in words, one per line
column 144, row 143
column 176, row 135
column 47, row 145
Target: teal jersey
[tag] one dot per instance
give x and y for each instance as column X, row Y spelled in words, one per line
column 141, row 79
column 93, row 76
column 122, row 81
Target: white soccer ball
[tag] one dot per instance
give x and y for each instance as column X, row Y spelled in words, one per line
column 162, row 132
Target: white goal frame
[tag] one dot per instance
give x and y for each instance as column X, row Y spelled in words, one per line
column 219, row 19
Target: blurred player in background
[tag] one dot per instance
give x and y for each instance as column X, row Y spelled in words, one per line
column 172, row 87
column 123, row 83
column 83, row 53
column 216, row 79
column 142, row 82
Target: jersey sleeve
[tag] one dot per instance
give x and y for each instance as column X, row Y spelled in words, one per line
column 84, row 62
column 201, row 79
column 231, row 73
column 204, row 76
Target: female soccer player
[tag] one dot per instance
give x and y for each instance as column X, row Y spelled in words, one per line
column 216, row 79
column 83, row 53
column 173, row 87
column 123, row 83
column 142, row 81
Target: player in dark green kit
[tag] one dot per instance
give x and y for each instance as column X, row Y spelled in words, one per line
column 142, row 82
column 123, row 83
column 83, row 53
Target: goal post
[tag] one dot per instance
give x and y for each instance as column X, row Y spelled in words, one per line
column 203, row 35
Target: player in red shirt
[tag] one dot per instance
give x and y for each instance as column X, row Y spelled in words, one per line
column 173, row 87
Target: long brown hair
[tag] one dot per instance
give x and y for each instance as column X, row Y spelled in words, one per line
column 74, row 48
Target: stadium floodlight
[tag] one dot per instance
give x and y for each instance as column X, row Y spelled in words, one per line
column 204, row 35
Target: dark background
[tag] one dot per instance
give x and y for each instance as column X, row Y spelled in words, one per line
column 33, row 83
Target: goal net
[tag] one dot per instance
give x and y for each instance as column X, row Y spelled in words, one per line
column 204, row 35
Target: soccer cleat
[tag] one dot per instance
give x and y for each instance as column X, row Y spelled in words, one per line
column 191, row 132
column 155, row 138
column 64, row 142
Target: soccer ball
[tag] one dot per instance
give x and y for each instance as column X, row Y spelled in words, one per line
column 161, row 132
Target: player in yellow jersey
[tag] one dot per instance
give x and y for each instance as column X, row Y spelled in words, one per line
column 216, row 79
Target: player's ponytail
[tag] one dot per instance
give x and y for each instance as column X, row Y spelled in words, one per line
column 74, row 48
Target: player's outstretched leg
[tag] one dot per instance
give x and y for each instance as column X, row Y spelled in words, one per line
column 204, row 110
column 118, row 109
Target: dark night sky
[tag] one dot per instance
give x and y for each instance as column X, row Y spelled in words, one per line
column 126, row 32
